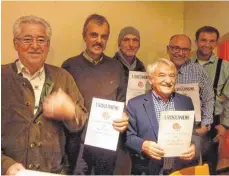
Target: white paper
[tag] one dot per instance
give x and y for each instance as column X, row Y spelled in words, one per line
column 137, row 84
column 34, row 173
column 191, row 90
column 100, row 132
column 175, row 132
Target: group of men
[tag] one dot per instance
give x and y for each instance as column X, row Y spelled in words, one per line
column 45, row 108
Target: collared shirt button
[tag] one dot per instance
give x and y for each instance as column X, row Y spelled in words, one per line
column 23, row 84
column 32, row 145
column 30, row 166
column 39, row 144
column 39, row 122
column 27, row 103
column 37, row 166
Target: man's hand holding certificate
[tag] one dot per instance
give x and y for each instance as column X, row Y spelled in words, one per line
column 103, row 116
column 175, row 132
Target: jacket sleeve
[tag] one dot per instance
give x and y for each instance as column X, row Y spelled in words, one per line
column 6, row 162
column 133, row 141
column 81, row 114
column 121, row 91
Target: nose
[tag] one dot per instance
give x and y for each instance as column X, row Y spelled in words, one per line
column 131, row 43
column 99, row 39
column 34, row 44
column 168, row 79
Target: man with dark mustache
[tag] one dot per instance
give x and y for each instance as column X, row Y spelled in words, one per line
column 206, row 41
column 97, row 76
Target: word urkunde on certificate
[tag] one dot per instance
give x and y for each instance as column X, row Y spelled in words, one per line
column 175, row 132
column 100, row 132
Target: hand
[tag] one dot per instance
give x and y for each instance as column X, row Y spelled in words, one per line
column 59, row 106
column 221, row 131
column 202, row 130
column 152, row 149
column 14, row 169
column 189, row 155
column 121, row 124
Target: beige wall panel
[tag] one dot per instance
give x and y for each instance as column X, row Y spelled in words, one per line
column 156, row 21
column 198, row 14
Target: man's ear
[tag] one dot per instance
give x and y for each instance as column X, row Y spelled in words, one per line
column 15, row 44
column 196, row 42
column 167, row 49
column 150, row 80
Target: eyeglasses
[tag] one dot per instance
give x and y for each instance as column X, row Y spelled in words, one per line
column 28, row 40
column 177, row 49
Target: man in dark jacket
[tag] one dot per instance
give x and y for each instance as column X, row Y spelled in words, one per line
column 39, row 103
column 129, row 44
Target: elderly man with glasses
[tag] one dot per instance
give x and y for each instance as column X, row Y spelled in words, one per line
column 39, row 103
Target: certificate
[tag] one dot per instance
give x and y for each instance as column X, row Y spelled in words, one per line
column 175, row 132
column 34, row 173
column 191, row 90
column 137, row 84
column 100, row 132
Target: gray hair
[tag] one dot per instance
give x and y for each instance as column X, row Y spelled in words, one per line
column 31, row 20
column 152, row 67
column 97, row 19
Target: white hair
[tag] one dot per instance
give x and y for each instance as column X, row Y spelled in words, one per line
column 152, row 67
column 31, row 20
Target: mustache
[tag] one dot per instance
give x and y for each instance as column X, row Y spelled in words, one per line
column 98, row 44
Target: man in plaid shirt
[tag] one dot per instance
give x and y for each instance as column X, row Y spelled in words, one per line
column 179, row 50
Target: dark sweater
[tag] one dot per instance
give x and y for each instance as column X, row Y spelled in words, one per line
column 104, row 80
column 139, row 67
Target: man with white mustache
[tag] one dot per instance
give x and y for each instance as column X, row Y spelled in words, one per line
column 144, row 112
column 206, row 41
column 97, row 75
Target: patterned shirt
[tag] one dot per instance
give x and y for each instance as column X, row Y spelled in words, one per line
column 222, row 95
column 160, row 106
column 37, row 81
column 194, row 73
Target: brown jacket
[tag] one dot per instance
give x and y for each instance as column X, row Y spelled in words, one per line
column 33, row 140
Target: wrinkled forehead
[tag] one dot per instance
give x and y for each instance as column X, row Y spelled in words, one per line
column 32, row 29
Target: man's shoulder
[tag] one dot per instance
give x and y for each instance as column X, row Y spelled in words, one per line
column 194, row 67
column 73, row 59
column 140, row 98
column 6, row 69
column 181, row 96
column 56, row 71
column 111, row 61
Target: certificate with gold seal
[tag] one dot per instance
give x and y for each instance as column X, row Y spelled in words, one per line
column 175, row 132
column 100, row 132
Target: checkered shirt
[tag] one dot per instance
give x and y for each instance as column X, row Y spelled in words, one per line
column 194, row 73
column 160, row 106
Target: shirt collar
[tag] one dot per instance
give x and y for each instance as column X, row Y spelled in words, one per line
column 183, row 67
column 90, row 59
column 159, row 98
column 22, row 69
column 212, row 58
